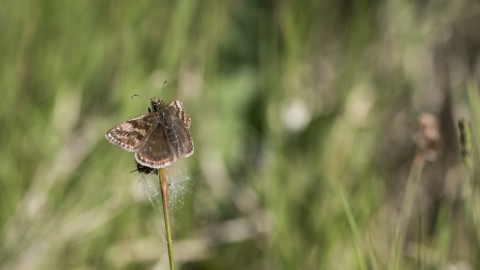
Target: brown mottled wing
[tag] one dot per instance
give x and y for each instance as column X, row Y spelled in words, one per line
column 133, row 133
column 176, row 107
column 156, row 152
column 179, row 137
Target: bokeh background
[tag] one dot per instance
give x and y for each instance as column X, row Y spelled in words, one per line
column 304, row 118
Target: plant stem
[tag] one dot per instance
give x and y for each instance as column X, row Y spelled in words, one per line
column 405, row 212
column 163, row 188
column 354, row 229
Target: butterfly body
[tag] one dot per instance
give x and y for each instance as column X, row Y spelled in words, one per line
column 158, row 138
column 144, row 169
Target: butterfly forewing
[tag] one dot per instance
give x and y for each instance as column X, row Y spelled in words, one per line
column 183, row 146
column 133, row 133
column 177, row 108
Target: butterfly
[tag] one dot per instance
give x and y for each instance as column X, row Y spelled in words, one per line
column 159, row 137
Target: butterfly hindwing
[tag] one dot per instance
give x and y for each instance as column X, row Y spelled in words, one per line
column 156, row 152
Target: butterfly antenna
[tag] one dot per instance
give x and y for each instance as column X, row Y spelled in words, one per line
column 161, row 94
column 136, row 95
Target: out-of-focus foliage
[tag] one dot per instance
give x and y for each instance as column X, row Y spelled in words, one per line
column 303, row 118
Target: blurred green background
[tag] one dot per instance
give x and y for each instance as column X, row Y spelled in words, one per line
column 304, row 120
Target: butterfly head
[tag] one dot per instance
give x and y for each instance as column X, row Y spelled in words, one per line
column 156, row 103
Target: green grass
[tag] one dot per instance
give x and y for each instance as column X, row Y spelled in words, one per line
column 325, row 190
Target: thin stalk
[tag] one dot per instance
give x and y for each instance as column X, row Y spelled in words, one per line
column 163, row 188
column 467, row 151
column 406, row 211
column 354, row 229
column 472, row 201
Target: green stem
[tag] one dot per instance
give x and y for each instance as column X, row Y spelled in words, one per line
column 473, row 203
column 354, row 229
column 163, row 188
column 405, row 212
